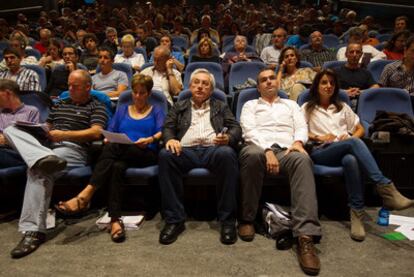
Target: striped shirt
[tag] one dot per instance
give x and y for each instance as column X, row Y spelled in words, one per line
column 200, row 132
column 23, row 113
column 317, row 58
column 27, row 79
column 68, row 116
column 394, row 75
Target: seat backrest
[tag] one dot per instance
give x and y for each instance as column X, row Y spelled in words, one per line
column 305, row 95
column 227, row 40
column 217, row 94
column 180, row 42
column 214, row 69
column 230, row 48
column 38, row 99
column 376, row 68
column 156, row 98
column 141, row 50
column 382, row 99
column 384, row 37
column 380, row 46
column 33, row 52
column 61, row 66
column 145, row 65
column 40, row 72
column 250, row 94
column 333, row 64
column 3, row 45
column 240, row 71
column 193, row 51
column 330, row 41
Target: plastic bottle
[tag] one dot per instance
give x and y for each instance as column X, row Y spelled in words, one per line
column 383, row 217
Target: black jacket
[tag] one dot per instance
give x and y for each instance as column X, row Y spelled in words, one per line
column 179, row 120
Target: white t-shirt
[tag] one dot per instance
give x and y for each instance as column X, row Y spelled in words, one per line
column 375, row 53
column 322, row 122
column 136, row 59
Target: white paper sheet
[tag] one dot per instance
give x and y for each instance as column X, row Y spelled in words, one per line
column 401, row 220
column 117, row 137
column 130, row 222
column 407, row 231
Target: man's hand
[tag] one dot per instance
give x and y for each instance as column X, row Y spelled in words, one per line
column 352, row 92
column 169, row 64
column 3, row 140
column 327, row 138
column 70, row 66
column 272, row 163
column 296, row 147
column 56, row 135
column 221, row 139
column 144, row 142
column 174, row 146
column 343, row 137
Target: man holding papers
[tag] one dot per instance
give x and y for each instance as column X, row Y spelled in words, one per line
column 72, row 123
column 141, row 123
column 11, row 110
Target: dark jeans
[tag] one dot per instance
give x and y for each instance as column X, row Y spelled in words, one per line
column 353, row 155
column 111, row 166
column 220, row 160
column 9, row 158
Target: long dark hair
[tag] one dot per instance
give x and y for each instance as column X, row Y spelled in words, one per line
column 314, row 99
column 391, row 43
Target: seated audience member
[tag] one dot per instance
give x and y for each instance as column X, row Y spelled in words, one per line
column 79, row 40
column 73, row 123
column 337, row 128
column 352, row 77
column 44, row 39
column 108, row 80
column 291, row 77
column 179, row 29
column 165, row 77
column 401, row 24
column 12, row 109
column 394, row 48
column 176, row 56
column 89, row 57
column 58, row 81
column 142, row 123
column 205, row 52
column 270, row 54
column 128, row 55
column 111, row 40
column 239, row 54
column 274, row 131
column 27, row 79
column 19, row 44
column 400, row 74
column 366, row 39
column 144, row 39
column 356, row 36
column 195, row 136
column 301, row 38
column 205, row 25
column 316, row 53
column 53, row 55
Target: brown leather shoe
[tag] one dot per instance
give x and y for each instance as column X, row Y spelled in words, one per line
column 246, row 231
column 308, row 259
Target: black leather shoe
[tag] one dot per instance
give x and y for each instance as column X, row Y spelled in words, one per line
column 284, row 241
column 29, row 243
column 50, row 164
column 228, row 234
column 170, row 232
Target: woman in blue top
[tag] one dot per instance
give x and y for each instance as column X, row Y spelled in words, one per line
column 142, row 123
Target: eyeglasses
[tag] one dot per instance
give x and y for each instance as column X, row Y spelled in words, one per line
column 68, row 53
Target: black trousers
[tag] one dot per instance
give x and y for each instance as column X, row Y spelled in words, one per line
column 111, row 166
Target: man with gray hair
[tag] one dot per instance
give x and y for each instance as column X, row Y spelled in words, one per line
column 72, row 124
column 111, row 40
column 166, row 78
column 199, row 132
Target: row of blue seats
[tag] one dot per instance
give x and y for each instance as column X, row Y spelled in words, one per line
column 371, row 100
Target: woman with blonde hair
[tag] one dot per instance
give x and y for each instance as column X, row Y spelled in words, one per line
column 128, row 55
column 205, row 52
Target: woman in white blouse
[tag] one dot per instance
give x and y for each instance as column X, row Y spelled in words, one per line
column 128, row 55
column 336, row 127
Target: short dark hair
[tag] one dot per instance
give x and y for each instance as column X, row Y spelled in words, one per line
column 10, row 50
column 90, row 36
column 6, row 84
column 75, row 50
column 107, row 49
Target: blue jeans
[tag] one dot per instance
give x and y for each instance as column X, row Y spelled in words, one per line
column 353, row 155
column 10, row 158
column 220, row 160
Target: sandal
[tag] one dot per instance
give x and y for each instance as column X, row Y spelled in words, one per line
column 118, row 236
column 64, row 208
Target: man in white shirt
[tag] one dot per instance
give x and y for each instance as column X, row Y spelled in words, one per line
column 356, row 35
column 275, row 131
column 165, row 77
column 270, row 54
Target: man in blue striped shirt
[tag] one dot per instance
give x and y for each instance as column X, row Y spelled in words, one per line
column 73, row 123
